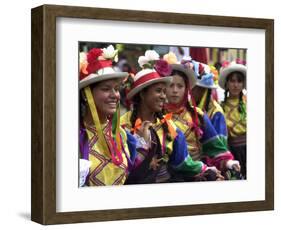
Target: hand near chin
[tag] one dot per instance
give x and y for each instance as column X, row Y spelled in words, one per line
column 144, row 131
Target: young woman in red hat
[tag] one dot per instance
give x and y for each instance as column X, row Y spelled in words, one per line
column 166, row 158
column 106, row 150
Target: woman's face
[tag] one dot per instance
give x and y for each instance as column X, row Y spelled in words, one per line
column 235, row 84
column 106, row 96
column 176, row 90
column 154, row 97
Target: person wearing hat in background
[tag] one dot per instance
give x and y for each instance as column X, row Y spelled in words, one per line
column 167, row 159
column 202, row 138
column 233, row 80
column 104, row 146
column 203, row 95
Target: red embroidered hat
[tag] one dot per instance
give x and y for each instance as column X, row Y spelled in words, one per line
column 154, row 71
column 96, row 66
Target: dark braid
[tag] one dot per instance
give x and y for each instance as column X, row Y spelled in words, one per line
column 164, row 126
column 240, row 102
column 134, row 115
column 208, row 100
column 190, row 110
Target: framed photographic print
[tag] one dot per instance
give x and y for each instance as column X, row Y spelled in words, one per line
column 63, row 35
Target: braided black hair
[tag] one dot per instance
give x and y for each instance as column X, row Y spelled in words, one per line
column 208, row 100
column 240, row 102
column 164, row 126
column 134, row 115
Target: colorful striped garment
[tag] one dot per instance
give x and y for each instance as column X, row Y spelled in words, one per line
column 236, row 125
column 212, row 146
column 216, row 115
column 174, row 153
column 102, row 170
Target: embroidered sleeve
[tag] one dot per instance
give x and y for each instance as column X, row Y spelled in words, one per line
column 180, row 160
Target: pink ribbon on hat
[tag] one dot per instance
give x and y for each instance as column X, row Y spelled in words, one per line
column 240, row 61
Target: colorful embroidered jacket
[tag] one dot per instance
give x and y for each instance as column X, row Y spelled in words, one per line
column 216, row 115
column 183, row 121
column 210, row 147
column 102, row 170
column 175, row 152
column 236, row 125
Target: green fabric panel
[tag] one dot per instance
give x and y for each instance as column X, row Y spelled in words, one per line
column 214, row 147
column 190, row 167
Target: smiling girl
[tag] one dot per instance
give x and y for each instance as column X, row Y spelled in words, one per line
column 167, row 158
column 104, row 146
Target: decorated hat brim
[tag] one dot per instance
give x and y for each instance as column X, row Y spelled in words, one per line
column 206, row 86
column 139, row 88
column 186, row 71
column 92, row 78
column 228, row 70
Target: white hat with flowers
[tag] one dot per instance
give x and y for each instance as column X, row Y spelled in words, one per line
column 185, row 66
column 230, row 67
column 154, row 70
column 96, row 66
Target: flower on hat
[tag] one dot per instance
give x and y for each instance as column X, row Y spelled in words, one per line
column 83, row 62
column 205, row 71
column 215, row 72
column 148, row 60
column 163, row 68
column 225, row 64
column 171, row 58
column 110, row 53
column 203, row 68
column 151, row 60
column 94, row 54
column 96, row 59
column 240, row 61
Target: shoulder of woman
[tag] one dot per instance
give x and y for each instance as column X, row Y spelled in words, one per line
column 218, row 107
column 125, row 118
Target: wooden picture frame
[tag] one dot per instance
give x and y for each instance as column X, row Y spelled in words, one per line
column 43, row 207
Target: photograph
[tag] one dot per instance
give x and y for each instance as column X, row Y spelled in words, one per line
column 161, row 114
